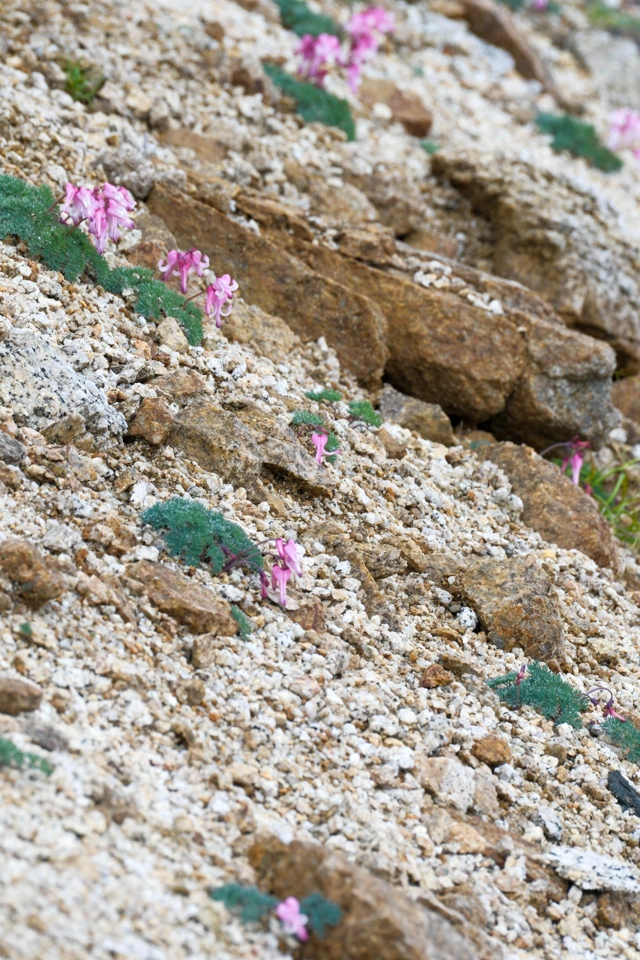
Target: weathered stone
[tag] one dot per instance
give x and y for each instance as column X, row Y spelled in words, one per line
column 614, row 65
column 272, row 214
column 280, row 284
column 447, row 779
column 435, row 676
column 379, row 921
column 625, row 394
column 191, row 692
column 428, row 420
column 310, row 615
column 171, row 335
column 595, row 871
column 207, row 149
column 37, row 576
column 40, row 387
column 180, row 385
column 392, row 447
column 342, row 546
column 493, row 24
column 18, row 696
column 126, row 165
column 218, row 441
column 466, row 838
column 152, row 422
column 613, row 912
column 11, row 450
column 492, row 750
column 382, row 559
column 553, row 506
column 186, row 601
column 371, row 243
column 516, row 605
column 406, row 108
column 485, row 795
column 268, row 336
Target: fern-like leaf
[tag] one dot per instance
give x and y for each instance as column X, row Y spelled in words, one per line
column 12, row 756
column 304, row 418
column 312, row 103
column 296, row 16
column 244, row 624
column 362, row 410
column 580, row 139
column 545, row 691
column 252, row 903
column 624, row 735
column 329, row 396
column 322, row 913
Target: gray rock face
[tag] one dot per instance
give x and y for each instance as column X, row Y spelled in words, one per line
column 42, row 389
column 427, row 419
column 614, row 64
column 595, row 871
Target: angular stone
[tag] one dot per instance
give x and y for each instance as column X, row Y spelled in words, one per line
column 553, row 506
column 466, row 838
column 435, row 676
column 342, row 546
column 18, row 696
column 310, row 615
column 625, row 394
column 191, row 692
column 272, row 214
column 392, row 447
column 446, row 779
column 516, row 605
column 406, row 108
column 180, row 385
column 171, row 335
column 268, row 336
column 492, row 750
column 152, row 422
column 428, row 420
column 218, row 441
column 614, row 65
column 382, row 559
column 188, row 602
column 494, row 24
column 11, row 450
column 38, row 577
column 595, row 871
column 372, row 243
column 485, row 795
column 40, row 387
column 280, row 284
column 378, row 920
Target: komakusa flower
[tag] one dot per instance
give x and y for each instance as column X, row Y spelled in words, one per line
column 106, row 208
column 624, row 131
column 79, row 204
column 117, row 204
column 370, row 21
column 574, row 455
column 280, row 577
column 288, row 912
column 319, row 55
column 366, row 30
column 220, row 294
column 181, row 264
column 319, row 440
column 288, row 553
column 608, row 709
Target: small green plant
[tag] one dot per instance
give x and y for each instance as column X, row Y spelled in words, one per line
column 362, row 410
column 296, row 16
column 314, row 911
column 312, row 103
column 322, row 913
column 25, row 630
column 197, row 535
column 11, row 756
column 624, row 735
column 332, row 444
column 578, row 138
column 253, row 904
column 83, row 81
column 613, row 19
column 244, row 624
column 329, row 396
column 429, row 146
column 26, row 212
column 611, row 488
column 304, row 418
column 543, row 690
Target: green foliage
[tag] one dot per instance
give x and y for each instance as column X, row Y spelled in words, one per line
column 543, row 690
column 313, row 103
column 429, row 146
column 11, row 756
column 330, row 396
column 25, row 214
column 322, row 913
column 197, row 534
column 297, row 16
column 252, row 903
column 612, row 489
column 304, row 418
column 624, row 735
column 613, row 19
column 579, row 139
column 243, row 622
column 83, row 81
column 332, row 444
column 362, row 410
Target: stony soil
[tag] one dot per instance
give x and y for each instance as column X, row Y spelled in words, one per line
column 358, row 719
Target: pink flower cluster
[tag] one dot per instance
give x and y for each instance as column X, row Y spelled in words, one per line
column 292, row 920
column 218, row 294
column 319, row 55
column 106, row 208
column 286, row 565
column 574, row 456
column 319, row 440
column 624, row 131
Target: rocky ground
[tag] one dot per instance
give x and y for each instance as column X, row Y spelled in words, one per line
column 351, row 743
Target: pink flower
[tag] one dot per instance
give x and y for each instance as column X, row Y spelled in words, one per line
column 79, row 204
column 609, row 711
column 219, row 294
column 319, row 55
column 319, row 440
column 624, row 131
column 288, row 912
column 574, row 455
column 371, row 20
column 288, row 553
column 117, row 202
column 539, row 5
column 280, row 576
column 98, row 227
column 521, row 674
column 181, row 264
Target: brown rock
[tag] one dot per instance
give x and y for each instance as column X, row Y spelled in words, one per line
column 406, row 108
column 218, row 441
column 485, row 795
column 309, row 615
column 282, row 285
column 156, row 240
column 625, row 394
column 553, row 506
column 207, row 149
column 191, row 692
column 447, row 779
column 18, row 696
column 495, row 25
column 435, row 676
column 38, row 576
column 187, row 602
column 343, row 547
column 371, row 243
column 392, row 447
column 492, row 750
column 613, row 912
column 205, row 648
column 180, row 385
column 424, row 238
column 152, row 422
column 378, row 922
column 268, row 336
column 428, row 420
column 466, row 838
column 382, row 559
column 272, row 214
column 516, row 605
column 171, row 335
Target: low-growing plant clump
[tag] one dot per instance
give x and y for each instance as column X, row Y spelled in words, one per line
column 12, row 756
column 312, row 103
column 298, row 917
column 83, row 81
column 579, row 139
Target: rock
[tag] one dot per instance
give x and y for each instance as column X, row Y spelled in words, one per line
column 310, row 615
column 243, row 774
column 180, row 385
column 428, row 420
column 268, row 336
column 382, row 559
column 191, row 692
column 372, row 243
column 516, row 605
column 125, row 165
column 446, row 779
column 342, row 546
column 626, row 795
column 549, row 236
column 218, row 441
column 392, row 447
column 155, row 242
column 305, row 687
column 613, row 912
column 465, row 838
column 171, row 335
column 435, row 676
column 18, row 696
column 398, row 206
column 406, row 108
column 549, row 821
column 492, row 750
column 11, row 450
column 552, row 505
column 152, row 422
column 594, row 871
column 311, row 304
column 272, row 214
column 38, row 578
column 493, row 24
column 614, row 65
column 186, row 601
column 40, row 387
column 207, row 149
column 378, row 920
column 625, row 394
column 485, row 795
column 205, row 649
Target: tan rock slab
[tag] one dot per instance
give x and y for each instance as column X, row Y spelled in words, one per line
column 435, row 676
column 188, row 602
column 18, row 696
column 625, row 394
column 447, row 779
column 171, row 335
column 406, row 107
column 152, row 422
column 466, row 838
column 492, row 23
column 269, row 336
column 37, row 576
column 428, row 420
column 218, row 441
column 492, row 750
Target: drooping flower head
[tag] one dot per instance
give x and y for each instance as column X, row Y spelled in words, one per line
column 220, row 294
column 319, row 440
column 117, row 203
column 318, row 56
column 288, row 554
column 181, row 264
column 106, row 208
column 521, row 674
column 574, row 455
column 98, row 228
column 366, row 30
column 624, row 131
column 280, row 577
column 79, row 203
column 288, row 912
column 608, row 709
column 370, row 21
